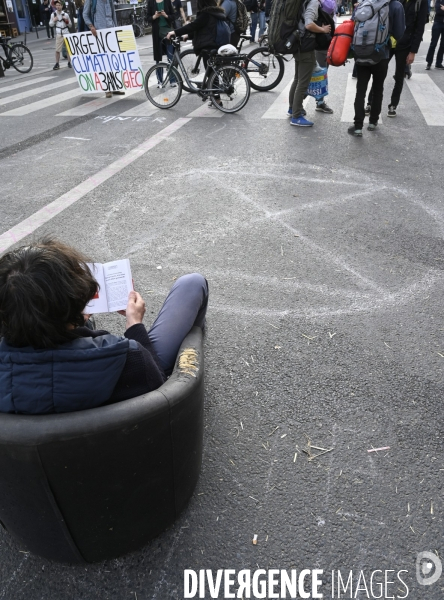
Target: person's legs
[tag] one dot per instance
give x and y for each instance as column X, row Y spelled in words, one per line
column 436, row 31
column 184, row 307
column 379, row 73
column 254, row 19
column 439, row 56
column 363, row 73
column 305, row 63
column 170, row 54
column 400, row 57
column 261, row 23
column 48, row 28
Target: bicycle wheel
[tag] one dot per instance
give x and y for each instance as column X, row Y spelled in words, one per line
column 163, row 85
column 21, row 58
column 195, row 75
column 233, row 88
column 137, row 30
column 265, row 69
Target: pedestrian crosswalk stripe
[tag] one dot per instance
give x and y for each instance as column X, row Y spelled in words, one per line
column 96, row 104
column 279, row 108
column 30, row 108
column 424, row 89
column 16, row 86
column 35, row 91
column 206, row 111
column 348, row 110
column 144, row 109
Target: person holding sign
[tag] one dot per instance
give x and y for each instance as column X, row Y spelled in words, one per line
column 161, row 17
column 51, row 358
column 100, row 14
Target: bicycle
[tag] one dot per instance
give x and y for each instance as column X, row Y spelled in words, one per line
column 16, row 55
column 225, row 83
column 137, row 22
column 264, row 75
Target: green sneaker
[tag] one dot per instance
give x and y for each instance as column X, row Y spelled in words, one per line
column 353, row 131
column 372, row 126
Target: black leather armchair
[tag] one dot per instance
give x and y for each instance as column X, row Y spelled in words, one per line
column 96, row 484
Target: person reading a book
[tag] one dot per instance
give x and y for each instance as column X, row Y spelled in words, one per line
column 50, row 362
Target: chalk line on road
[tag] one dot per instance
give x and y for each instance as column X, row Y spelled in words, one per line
column 45, row 214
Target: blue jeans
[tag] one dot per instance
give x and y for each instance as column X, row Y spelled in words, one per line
column 184, row 307
column 80, row 22
column 169, row 51
column 255, row 17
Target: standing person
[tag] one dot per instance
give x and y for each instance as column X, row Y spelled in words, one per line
column 179, row 13
column 45, row 16
column 407, row 47
column 328, row 6
column 437, row 30
column 257, row 9
column 365, row 69
column 230, row 8
column 100, row 14
column 305, row 63
column 160, row 15
column 80, row 22
column 61, row 21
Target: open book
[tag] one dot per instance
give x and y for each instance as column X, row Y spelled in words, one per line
column 115, row 281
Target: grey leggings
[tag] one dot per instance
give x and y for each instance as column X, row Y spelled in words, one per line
column 184, row 307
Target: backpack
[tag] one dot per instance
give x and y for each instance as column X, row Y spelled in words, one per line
column 371, row 31
column 318, row 41
column 223, row 33
column 241, row 23
column 283, row 27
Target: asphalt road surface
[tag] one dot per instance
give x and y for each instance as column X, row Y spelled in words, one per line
column 324, row 255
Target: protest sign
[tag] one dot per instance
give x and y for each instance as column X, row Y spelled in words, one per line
column 109, row 62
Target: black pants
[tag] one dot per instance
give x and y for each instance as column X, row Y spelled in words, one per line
column 49, row 30
column 364, row 72
column 437, row 30
column 400, row 58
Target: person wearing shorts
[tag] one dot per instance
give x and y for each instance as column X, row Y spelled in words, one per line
column 61, row 22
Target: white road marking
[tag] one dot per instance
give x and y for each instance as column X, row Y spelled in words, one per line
column 429, row 99
column 45, row 214
column 279, row 108
column 30, row 108
column 36, row 91
column 16, row 86
column 144, row 109
column 348, row 110
column 206, row 111
column 96, row 104
column 68, row 137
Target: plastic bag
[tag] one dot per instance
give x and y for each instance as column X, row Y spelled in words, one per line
column 318, row 86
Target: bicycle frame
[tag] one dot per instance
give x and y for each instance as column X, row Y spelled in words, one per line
column 203, row 91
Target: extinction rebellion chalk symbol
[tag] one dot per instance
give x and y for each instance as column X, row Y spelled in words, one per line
column 428, row 568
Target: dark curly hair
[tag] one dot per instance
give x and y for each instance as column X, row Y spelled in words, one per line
column 44, row 288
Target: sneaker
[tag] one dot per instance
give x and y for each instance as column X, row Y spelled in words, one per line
column 391, row 111
column 108, row 95
column 173, row 84
column 367, row 110
column 428, row 67
column 439, row 67
column 323, row 107
column 159, row 85
column 301, row 122
column 353, row 131
column 70, row 65
column 56, row 66
column 372, row 126
column 119, row 93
